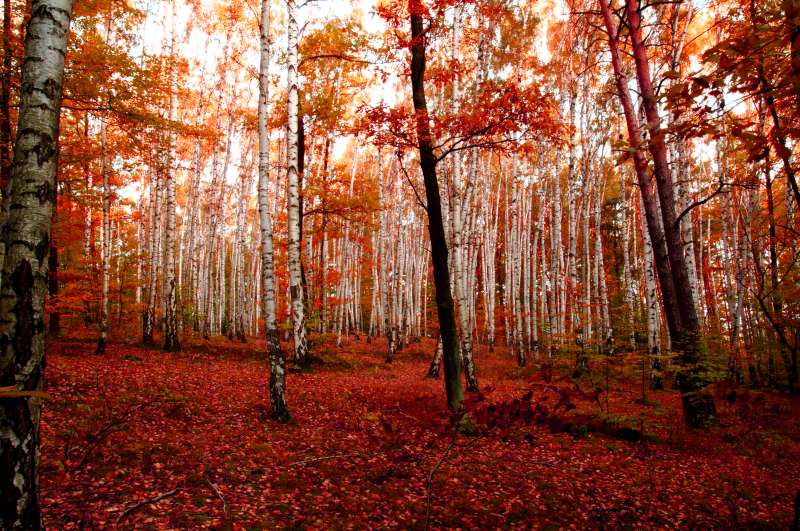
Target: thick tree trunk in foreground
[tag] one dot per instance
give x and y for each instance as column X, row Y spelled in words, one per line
column 26, row 234
column 277, row 369
column 441, row 275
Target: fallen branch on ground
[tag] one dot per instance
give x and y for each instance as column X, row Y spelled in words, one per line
column 324, row 458
column 139, row 505
column 429, row 481
column 403, row 413
column 100, row 435
column 221, row 497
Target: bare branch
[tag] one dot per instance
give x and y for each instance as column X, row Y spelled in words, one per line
column 139, row 505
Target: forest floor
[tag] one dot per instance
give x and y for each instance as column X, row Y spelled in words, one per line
column 145, row 439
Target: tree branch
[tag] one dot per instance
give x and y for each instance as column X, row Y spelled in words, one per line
column 411, row 183
column 139, row 505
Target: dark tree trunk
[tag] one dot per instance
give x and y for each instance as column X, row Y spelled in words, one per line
column 436, row 362
column 663, row 270
column 689, row 336
column 26, row 235
column 698, row 403
column 670, row 263
column 788, row 356
column 796, row 519
column 427, row 160
column 778, row 138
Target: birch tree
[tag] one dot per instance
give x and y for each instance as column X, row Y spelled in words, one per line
column 277, row 369
column 171, row 342
column 26, row 238
column 105, row 234
column 294, row 251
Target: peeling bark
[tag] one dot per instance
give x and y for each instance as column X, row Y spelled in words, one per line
column 296, row 287
column 26, row 234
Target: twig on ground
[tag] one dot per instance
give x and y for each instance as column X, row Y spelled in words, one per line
column 403, row 413
column 138, row 505
column 221, row 498
column 429, row 481
column 324, row 458
column 100, row 435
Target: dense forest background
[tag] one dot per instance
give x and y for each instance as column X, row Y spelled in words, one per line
column 591, row 205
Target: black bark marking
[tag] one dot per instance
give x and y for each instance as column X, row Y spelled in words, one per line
column 45, row 150
column 51, row 88
column 46, row 193
column 22, row 284
column 59, row 51
column 42, row 107
column 18, row 453
column 23, row 243
column 44, row 11
column 42, row 248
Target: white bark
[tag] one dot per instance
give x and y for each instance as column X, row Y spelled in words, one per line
column 26, row 218
column 171, row 342
column 293, row 192
column 277, row 370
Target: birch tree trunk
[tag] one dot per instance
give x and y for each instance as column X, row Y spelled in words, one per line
column 171, row 342
column 587, row 330
column 293, row 195
column 572, row 229
column 105, row 244
column 277, row 369
column 515, row 286
column 149, row 315
column 460, row 210
column 385, row 275
column 627, row 278
column 651, row 302
column 26, row 235
column 607, row 337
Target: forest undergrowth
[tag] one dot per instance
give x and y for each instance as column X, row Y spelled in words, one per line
column 139, row 438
